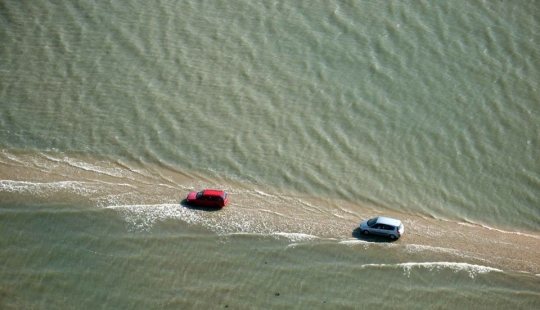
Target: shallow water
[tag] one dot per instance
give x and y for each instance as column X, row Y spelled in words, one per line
column 117, row 235
column 313, row 117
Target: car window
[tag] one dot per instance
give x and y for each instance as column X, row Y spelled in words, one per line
column 199, row 195
column 372, row 221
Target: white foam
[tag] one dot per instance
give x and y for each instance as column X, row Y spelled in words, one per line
column 473, row 270
column 143, row 217
column 261, row 193
column 353, row 241
column 411, row 248
column 37, row 188
column 272, row 212
column 114, row 172
column 500, row 230
column 512, row 232
column 296, row 237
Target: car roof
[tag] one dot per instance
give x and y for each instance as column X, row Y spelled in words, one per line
column 213, row 192
column 388, row 221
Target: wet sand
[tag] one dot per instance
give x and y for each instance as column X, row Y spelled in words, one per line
column 510, row 251
column 100, row 183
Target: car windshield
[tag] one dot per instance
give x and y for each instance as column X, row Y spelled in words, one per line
column 372, row 221
column 199, row 195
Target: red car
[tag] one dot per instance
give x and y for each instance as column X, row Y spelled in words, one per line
column 208, row 198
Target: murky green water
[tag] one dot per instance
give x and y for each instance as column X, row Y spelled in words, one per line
column 312, row 116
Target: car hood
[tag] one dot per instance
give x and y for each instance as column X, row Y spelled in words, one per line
column 192, row 196
column 364, row 224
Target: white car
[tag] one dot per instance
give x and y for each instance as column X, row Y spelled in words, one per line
column 382, row 226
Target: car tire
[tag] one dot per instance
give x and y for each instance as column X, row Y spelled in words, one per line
column 392, row 237
column 365, row 232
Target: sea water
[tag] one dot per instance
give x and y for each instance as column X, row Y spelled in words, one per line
column 312, row 115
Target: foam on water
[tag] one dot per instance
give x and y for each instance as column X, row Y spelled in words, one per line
column 227, row 221
column 501, row 231
column 412, row 248
column 143, row 217
column 50, row 188
column 296, row 237
column 102, row 167
column 472, row 270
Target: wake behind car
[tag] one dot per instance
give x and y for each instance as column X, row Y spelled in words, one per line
column 382, row 226
column 208, row 198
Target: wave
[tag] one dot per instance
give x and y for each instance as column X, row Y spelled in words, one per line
column 38, row 188
column 411, row 248
column 354, row 242
column 296, row 237
column 105, row 168
column 500, row 230
column 472, row 269
column 144, row 216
